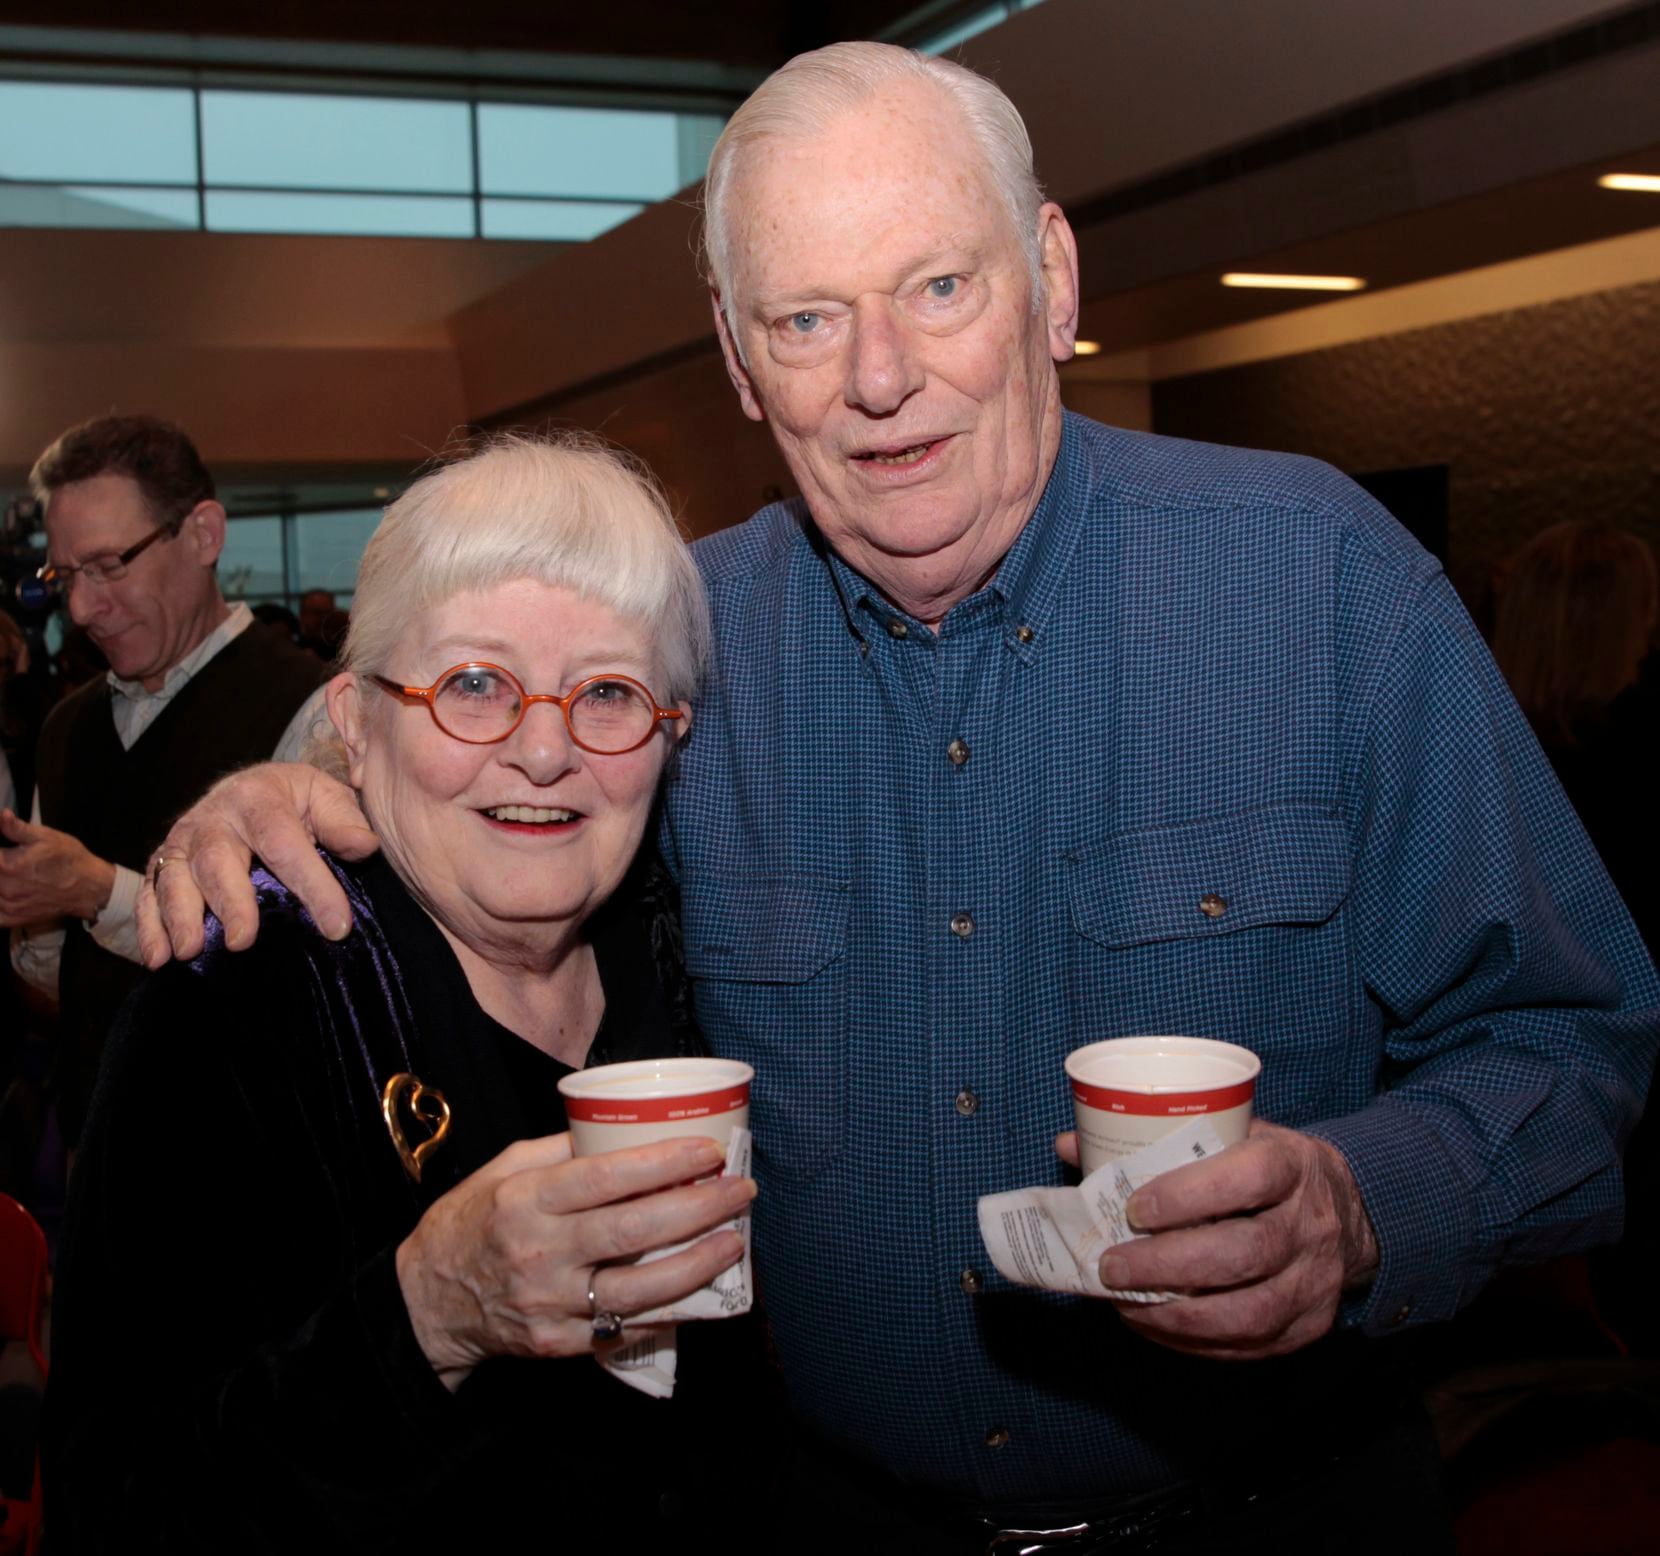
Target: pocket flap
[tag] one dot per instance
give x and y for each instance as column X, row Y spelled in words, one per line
column 763, row 929
column 1285, row 864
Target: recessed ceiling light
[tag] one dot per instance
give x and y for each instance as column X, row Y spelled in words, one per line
column 1643, row 183
column 1086, row 348
column 1294, row 283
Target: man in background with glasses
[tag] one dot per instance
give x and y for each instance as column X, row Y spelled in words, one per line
column 134, row 532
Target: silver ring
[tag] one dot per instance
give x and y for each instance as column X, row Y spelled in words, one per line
column 606, row 1324
column 161, row 861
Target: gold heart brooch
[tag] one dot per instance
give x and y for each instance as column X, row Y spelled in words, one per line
column 426, row 1105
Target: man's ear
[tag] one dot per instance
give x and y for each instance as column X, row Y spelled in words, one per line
column 205, row 525
column 1058, row 257
column 343, row 697
column 735, row 369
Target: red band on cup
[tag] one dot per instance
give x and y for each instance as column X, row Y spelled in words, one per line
column 1164, row 1104
column 595, row 1108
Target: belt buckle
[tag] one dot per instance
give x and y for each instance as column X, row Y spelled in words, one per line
column 1030, row 1542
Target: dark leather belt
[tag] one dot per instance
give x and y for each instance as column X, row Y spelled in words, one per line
column 1123, row 1526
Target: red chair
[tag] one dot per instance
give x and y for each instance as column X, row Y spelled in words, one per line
column 22, row 1308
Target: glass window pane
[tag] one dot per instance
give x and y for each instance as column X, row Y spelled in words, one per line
column 565, row 221
column 398, row 216
column 328, row 547
column 251, row 563
column 289, row 140
column 95, row 133
column 698, row 133
column 47, row 205
column 979, row 22
column 578, row 151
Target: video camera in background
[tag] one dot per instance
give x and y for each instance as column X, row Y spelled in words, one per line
column 22, row 552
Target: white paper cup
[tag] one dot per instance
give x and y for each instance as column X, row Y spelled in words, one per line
column 616, row 1105
column 1129, row 1091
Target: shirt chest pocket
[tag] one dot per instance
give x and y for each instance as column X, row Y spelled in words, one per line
column 767, row 956
column 1227, row 927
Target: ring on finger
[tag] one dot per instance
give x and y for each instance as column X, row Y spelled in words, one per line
column 607, row 1325
column 160, row 863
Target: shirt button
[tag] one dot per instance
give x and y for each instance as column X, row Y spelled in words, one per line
column 962, row 925
column 967, row 1103
column 1023, row 634
column 997, row 1437
column 1213, row 906
column 957, row 751
column 971, row 1281
column 897, row 628
column 1400, row 1315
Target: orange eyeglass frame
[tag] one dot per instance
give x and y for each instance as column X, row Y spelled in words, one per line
column 429, row 695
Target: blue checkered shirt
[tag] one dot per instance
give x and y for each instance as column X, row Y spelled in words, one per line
column 918, row 869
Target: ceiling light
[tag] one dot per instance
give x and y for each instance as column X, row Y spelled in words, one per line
column 383, row 491
column 1294, row 283
column 1086, row 348
column 1643, row 183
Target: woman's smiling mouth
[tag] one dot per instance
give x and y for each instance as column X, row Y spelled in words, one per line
column 530, row 818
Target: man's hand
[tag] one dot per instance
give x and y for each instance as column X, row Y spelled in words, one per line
column 1262, row 1240
column 279, row 811
column 49, row 875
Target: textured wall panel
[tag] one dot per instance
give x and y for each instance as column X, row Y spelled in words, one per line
column 1542, row 414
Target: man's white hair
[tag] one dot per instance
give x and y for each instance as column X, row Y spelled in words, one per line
column 802, row 98
column 565, row 509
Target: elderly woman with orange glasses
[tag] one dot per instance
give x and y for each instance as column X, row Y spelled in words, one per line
column 331, row 1274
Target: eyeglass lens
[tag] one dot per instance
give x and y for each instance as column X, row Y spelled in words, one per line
column 103, row 569
column 477, row 702
column 98, row 570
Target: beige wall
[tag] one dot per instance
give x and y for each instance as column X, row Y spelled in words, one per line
column 280, row 352
column 683, row 420
column 1541, row 414
column 1114, row 91
column 1119, row 403
column 243, row 407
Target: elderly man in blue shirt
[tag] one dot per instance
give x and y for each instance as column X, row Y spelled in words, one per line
column 1025, row 731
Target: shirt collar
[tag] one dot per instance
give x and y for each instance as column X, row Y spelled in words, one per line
column 1035, row 566
column 1029, row 578
column 239, row 620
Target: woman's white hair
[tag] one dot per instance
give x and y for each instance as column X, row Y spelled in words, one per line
column 564, row 509
column 802, row 98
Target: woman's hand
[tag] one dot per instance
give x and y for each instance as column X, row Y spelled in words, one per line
column 500, row 1266
column 279, row 811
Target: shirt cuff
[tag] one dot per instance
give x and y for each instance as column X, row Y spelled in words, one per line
column 1424, row 1226
column 116, row 926
column 388, row 1339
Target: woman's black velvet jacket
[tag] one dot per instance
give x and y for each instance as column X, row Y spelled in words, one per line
column 233, row 1368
